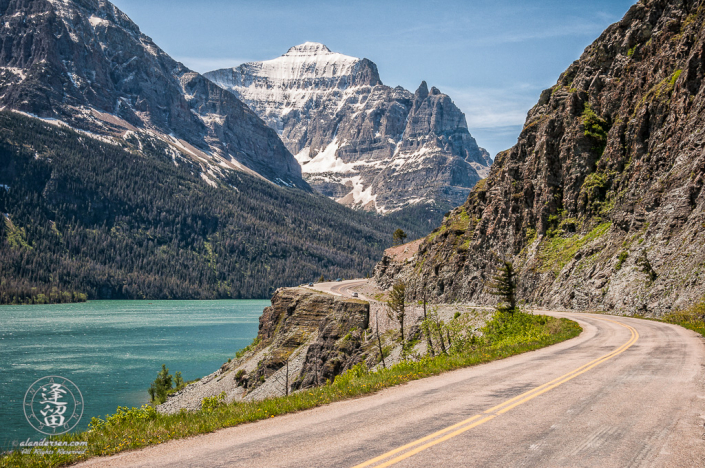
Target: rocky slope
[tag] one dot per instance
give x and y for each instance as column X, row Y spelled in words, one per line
column 358, row 141
column 85, row 63
column 314, row 337
column 600, row 203
column 320, row 335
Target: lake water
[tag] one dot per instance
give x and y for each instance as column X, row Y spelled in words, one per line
column 112, row 350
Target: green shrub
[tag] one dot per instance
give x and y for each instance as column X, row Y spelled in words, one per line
column 178, row 381
column 247, row 348
column 596, row 128
column 209, row 404
column 621, row 259
column 124, row 415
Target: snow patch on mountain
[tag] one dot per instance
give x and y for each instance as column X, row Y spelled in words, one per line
column 307, row 61
column 96, row 20
column 326, row 161
column 357, row 141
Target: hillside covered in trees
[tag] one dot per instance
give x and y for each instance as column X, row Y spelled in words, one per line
column 83, row 216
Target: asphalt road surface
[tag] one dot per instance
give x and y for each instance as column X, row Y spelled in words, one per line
column 340, row 288
column 625, row 393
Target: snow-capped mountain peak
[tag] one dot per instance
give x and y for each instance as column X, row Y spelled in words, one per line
column 359, row 142
column 307, row 61
column 308, row 48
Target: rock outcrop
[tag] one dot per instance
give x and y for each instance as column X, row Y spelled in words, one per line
column 305, row 339
column 600, row 204
column 85, row 63
column 329, row 327
column 358, row 141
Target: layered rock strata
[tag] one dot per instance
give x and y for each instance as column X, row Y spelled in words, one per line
column 600, row 204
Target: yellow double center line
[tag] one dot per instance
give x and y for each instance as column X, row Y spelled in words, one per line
column 449, row 432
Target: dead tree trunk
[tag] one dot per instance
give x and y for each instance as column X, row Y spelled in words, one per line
column 440, row 335
column 379, row 340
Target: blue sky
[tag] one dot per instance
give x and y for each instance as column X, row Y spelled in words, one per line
column 493, row 58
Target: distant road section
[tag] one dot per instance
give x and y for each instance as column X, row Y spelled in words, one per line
column 625, row 393
column 340, row 288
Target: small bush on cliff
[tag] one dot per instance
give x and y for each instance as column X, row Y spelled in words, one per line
column 596, row 128
column 646, row 268
column 398, row 237
column 621, row 259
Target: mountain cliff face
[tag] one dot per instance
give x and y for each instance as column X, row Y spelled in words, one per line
column 600, row 204
column 85, row 63
column 359, row 142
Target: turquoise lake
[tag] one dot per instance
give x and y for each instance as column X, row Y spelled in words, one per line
column 112, row 350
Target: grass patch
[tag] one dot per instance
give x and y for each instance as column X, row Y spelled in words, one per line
column 661, row 92
column 621, row 259
column 692, row 318
column 431, row 237
column 247, row 348
column 128, row 429
column 556, row 252
column 461, row 222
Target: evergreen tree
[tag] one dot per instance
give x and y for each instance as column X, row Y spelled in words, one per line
column 178, row 381
column 399, row 236
column 159, row 389
column 396, row 305
column 504, row 285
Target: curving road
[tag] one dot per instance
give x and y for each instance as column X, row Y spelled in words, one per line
column 625, row 393
column 339, row 288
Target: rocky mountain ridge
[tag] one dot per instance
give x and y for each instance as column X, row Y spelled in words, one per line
column 600, row 204
column 86, row 64
column 358, row 141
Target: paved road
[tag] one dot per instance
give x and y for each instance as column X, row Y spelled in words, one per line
column 625, row 393
column 340, row 288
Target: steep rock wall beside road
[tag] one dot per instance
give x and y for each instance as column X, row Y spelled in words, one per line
column 600, row 204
